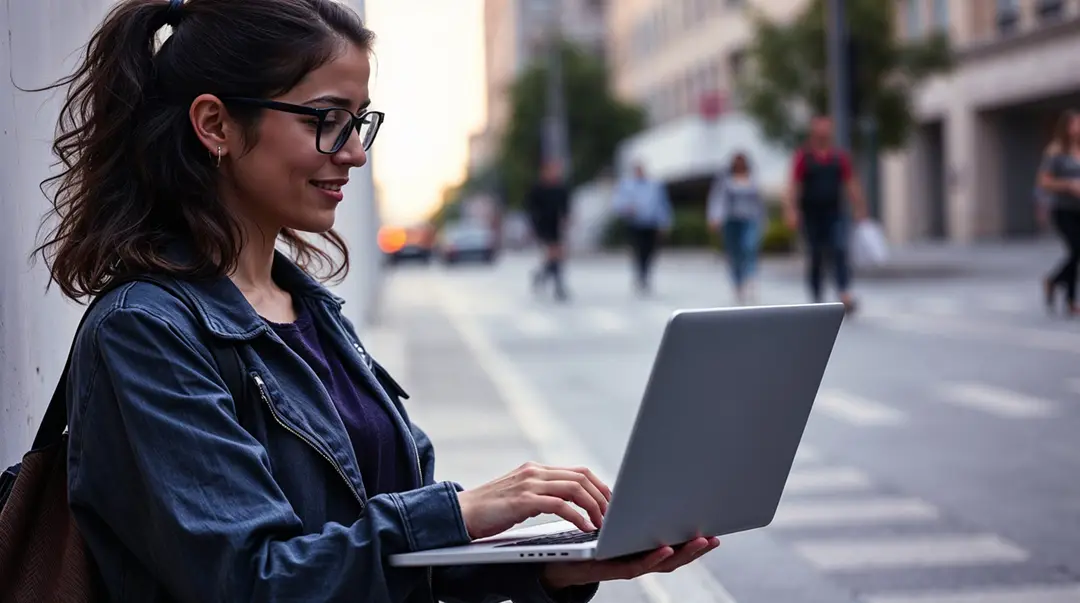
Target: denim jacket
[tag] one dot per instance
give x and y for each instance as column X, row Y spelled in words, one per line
column 184, row 494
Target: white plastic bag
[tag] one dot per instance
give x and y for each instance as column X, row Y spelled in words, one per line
column 868, row 245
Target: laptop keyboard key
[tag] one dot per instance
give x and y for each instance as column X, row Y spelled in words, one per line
column 567, row 537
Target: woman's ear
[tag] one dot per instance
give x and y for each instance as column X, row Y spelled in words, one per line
column 212, row 124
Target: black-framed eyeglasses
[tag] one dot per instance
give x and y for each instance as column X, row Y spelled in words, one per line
column 334, row 125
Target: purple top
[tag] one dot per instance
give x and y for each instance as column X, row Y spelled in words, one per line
column 371, row 429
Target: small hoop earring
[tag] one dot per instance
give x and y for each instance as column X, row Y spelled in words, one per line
column 219, row 156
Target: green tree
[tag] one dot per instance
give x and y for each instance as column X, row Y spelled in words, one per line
column 788, row 71
column 597, row 123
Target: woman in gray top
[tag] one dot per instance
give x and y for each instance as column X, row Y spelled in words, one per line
column 736, row 205
column 1060, row 175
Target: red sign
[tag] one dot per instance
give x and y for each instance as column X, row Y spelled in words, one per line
column 712, row 104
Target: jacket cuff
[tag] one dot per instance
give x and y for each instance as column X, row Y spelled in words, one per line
column 432, row 517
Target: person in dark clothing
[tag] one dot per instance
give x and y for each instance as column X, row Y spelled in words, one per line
column 549, row 208
column 821, row 179
column 1060, row 176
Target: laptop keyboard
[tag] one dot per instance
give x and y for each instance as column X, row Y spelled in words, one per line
column 567, row 537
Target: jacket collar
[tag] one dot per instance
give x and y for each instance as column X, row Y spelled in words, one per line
column 223, row 309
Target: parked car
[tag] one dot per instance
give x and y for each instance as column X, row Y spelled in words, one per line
column 402, row 244
column 465, row 242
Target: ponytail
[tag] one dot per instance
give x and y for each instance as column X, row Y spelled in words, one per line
column 99, row 168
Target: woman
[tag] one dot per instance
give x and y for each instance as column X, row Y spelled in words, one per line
column 192, row 161
column 737, row 209
column 1060, row 176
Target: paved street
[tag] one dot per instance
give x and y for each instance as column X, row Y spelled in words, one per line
column 940, row 465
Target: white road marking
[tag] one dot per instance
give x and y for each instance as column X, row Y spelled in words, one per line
column 807, row 454
column 957, row 327
column 909, row 552
column 826, row 479
column 1073, row 385
column 605, row 321
column 939, row 306
column 855, row 410
column 997, row 401
column 1057, row 593
column 534, row 324
column 556, row 444
column 804, row 514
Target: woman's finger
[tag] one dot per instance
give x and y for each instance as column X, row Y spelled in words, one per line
column 685, row 554
column 573, row 475
column 600, row 486
column 573, row 492
column 557, row 506
column 628, row 570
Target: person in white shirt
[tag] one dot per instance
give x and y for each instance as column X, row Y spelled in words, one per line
column 644, row 205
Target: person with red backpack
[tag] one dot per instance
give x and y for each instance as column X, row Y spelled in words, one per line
column 822, row 184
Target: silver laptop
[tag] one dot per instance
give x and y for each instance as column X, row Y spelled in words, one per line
column 715, row 437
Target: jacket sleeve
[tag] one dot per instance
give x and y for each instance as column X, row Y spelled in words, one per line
column 519, row 583
column 157, row 456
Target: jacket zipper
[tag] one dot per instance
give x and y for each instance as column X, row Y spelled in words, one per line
column 416, row 454
column 273, row 411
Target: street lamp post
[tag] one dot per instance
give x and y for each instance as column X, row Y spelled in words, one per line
column 839, row 78
column 555, row 135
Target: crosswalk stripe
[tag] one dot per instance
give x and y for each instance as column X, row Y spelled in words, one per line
column 807, row 454
column 804, row 514
column 997, row 401
column 1073, row 385
column 1057, row 593
column 856, row 410
column 940, row 306
column 980, row 330
column 606, row 321
column 1006, row 303
column 826, row 479
column 909, row 552
column 536, row 324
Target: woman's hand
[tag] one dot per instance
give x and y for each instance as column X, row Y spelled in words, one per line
column 558, row 576
column 532, row 490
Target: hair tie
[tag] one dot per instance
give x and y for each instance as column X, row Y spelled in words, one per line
column 173, row 14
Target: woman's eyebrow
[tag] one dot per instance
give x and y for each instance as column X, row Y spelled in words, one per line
column 336, row 101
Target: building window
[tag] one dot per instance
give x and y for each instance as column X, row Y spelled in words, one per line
column 1050, row 10
column 1008, row 16
column 941, row 15
column 912, row 18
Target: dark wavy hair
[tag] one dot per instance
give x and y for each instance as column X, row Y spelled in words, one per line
column 134, row 175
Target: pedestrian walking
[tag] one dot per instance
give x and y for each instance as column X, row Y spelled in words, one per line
column 644, row 206
column 1060, row 176
column 823, row 197
column 548, row 205
column 190, row 171
column 736, row 209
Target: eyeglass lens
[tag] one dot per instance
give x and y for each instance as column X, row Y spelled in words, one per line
column 337, row 127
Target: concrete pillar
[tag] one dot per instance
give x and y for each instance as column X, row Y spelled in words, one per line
column 36, row 327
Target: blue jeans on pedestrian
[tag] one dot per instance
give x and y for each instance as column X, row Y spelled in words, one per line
column 741, row 242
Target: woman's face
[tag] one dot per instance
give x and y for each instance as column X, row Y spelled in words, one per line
column 283, row 181
column 1074, row 128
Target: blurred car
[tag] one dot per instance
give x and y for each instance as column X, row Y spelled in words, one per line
column 465, row 242
column 402, row 244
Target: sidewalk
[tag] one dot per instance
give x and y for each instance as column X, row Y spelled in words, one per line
column 454, row 400
column 914, row 261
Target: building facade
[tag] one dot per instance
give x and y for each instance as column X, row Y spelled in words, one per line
column 515, row 34
column 680, row 60
column 968, row 173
